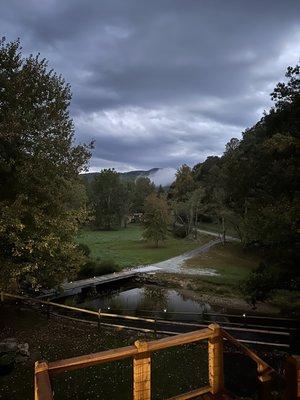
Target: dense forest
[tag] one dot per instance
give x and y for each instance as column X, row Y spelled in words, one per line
column 44, row 199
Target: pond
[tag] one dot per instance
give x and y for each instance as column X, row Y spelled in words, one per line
column 149, row 300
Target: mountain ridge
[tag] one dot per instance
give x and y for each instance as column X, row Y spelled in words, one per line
column 159, row 176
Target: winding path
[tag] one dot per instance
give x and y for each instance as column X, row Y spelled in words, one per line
column 176, row 264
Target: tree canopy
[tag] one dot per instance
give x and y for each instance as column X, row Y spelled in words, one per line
column 41, row 198
column 156, row 219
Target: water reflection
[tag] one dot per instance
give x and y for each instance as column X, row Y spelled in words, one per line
column 149, row 300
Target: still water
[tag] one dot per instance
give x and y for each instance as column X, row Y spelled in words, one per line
column 148, row 300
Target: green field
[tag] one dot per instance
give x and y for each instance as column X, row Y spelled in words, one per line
column 231, row 261
column 127, row 248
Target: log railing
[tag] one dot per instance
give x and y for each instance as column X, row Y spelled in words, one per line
column 140, row 352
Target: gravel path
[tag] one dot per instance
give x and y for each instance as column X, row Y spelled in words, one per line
column 230, row 238
column 176, row 264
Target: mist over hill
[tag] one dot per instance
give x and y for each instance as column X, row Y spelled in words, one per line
column 159, row 176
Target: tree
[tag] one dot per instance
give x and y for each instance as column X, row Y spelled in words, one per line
column 258, row 286
column 156, row 219
column 39, row 168
column 143, row 188
column 261, row 172
column 108, row 195
column 183, row 185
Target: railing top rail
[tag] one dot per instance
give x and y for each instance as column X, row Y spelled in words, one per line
column 128, row 351
column 88, row 360
column 247, row 351
column 76, row 309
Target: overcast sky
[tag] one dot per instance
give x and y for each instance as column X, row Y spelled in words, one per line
column 158, row 83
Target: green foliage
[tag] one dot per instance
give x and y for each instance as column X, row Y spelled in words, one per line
column 259, row 286
column 41, row 197
column 179, row 232
column 183, row 185
column 108, row 195
column 96, row 268
column 114, row 199
column 142, row 189
column 156, row 219
column 84, row 248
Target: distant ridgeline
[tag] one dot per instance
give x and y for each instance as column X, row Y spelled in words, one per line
column 154, row 174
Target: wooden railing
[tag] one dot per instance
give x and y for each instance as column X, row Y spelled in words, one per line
column 140, row 352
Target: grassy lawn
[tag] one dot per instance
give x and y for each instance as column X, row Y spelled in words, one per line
column 127, row 248
column 231, row 261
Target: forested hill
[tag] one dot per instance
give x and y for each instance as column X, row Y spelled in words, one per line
column 126, row 176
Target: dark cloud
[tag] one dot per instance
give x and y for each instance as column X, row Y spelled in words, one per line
column 159, row 83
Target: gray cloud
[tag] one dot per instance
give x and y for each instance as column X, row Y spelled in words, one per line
column 160, row 83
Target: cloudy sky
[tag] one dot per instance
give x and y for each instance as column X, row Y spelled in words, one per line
column 163, row 82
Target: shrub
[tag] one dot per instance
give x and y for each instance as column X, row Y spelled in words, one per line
column 179, row 232
column 259, row 285
column 87, row 270
column 84, row 248
column 206, row 218
column 106, row 267
column 97, row 268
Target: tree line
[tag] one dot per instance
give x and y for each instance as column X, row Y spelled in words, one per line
column 252, row 187
column 112, row 201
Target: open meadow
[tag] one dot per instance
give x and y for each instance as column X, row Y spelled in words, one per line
column 127, row 248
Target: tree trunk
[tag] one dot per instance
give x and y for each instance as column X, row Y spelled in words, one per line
column 223, row 230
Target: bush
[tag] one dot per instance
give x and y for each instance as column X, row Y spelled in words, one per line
column 179, row 232
column 106, row 267
column 206, row 218
column 259, row 286
column 84, row 248
column 87, row 270
column 97, row 268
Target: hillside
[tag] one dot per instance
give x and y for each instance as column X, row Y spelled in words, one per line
column 160, row 176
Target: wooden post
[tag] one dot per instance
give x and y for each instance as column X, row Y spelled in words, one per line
column 264, row 382
column 142, row 372
column 215, row 360
column 42, row 385
column 292, row 378
column 48, row 308
column 99, row 318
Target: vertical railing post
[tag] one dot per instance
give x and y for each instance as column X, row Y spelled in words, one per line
column 264, row 382
column 42, row 384
column 142, row 372
column 215, row 360
column 99, row 318
column 292, row 378
column 48, row 308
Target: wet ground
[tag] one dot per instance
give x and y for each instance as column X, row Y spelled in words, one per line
column 176, row 264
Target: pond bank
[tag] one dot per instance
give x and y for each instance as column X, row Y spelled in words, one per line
column 220, row 296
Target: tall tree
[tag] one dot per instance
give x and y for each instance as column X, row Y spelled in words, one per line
column 183, row 185
column 156, row 219
column 39, row 167
column 143, row 188
column 108, row 196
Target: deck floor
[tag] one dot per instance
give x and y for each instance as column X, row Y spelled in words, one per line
column 209, row 396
